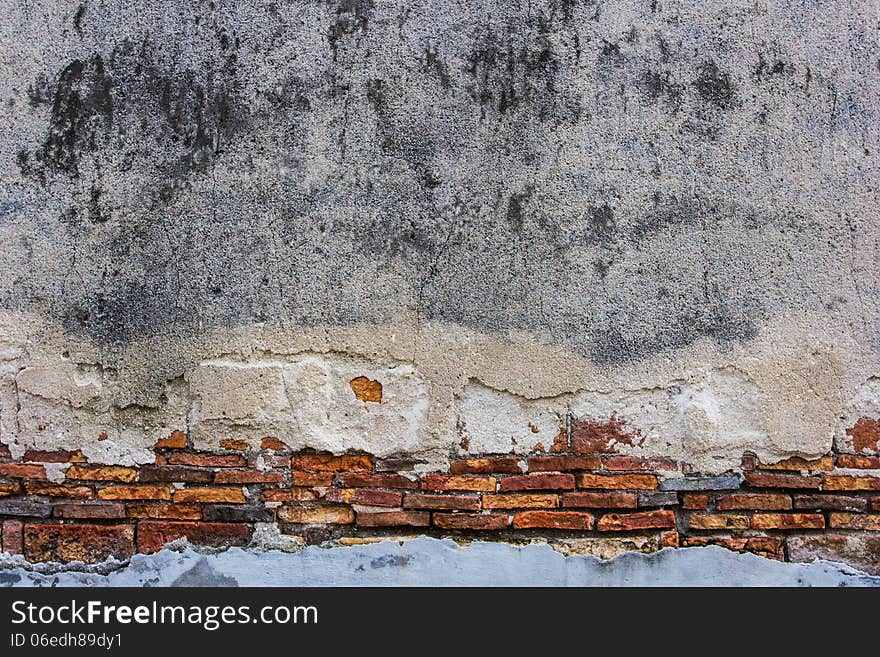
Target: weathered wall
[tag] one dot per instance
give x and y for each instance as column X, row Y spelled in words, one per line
column 518, row 217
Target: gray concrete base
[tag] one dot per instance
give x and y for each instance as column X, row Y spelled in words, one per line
column 432, row 562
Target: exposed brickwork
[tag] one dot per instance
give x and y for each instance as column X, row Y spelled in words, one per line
column 218, row 498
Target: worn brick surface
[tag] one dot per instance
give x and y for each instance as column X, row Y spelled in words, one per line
column 501, row 465
column 798, row 464
column 830, row 503
column 730, row 482
column 316, row 515
column 364, row 496
column 617, row 481
column 82, row 542
column 788, row 521
column 47, row 489
column 694, row 501
column 754, row 502
column 718, row 521
column 98, row 511
column 295, row 494
column 538, row 482
column 471, row 521
column 164, row 511
column 620, row 462
column 858, row 462
column 368, row 480
column 442, row 502
column 152, row 535
column 12, row 535
column 207, row 460
column 139, row 492
column 56, row 456
column 229, row 495
column 393, row 518
column 846, row 482
column 855, row 521
column 600, row 500
column 474, row 483
column 330, row 463
column 560, row 463
column 638, row 520
column 22, row 470
column 521, row 501
column 102, row 473
column 574, row 520
column 774, row 480
column 251, row 476
column 173, row 473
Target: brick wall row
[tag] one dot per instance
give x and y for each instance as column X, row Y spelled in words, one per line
column 217, row 498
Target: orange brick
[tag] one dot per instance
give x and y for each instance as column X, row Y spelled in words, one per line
column 311, row 478
column 620, row 481
column 369, row 480
column 858, row 462
column 718, row 521
column 754, row 502
column 694, row 501
column 234, row 445
column 59, row 490
column 288, row 495
column 669, row 539
column 316, row 515
column 273, row 444
column 638, row 520
column 869, row 523
column 788, row 521
column 504, row 465
column 471, row 521
column 796, row 463
column 577, row 520
column 446, row 502
column 472, row 483
column 521, row 501
column 331, row 463
column 364, row 496
column 393, row 519
column 101, row 473
column 177, row 440
column 228, row 495
column 165, row 511
column 601, row 500
column 846, row 482
column 9, row 489
column 142, row 492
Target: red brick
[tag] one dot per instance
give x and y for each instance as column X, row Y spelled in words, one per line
column 88, row 511
column 177, row 440
column 796, row 463
column 368, row 480
column 152, row 535
column 330, row 463
column 215, row 495
column 59, row 490
column 288, row 495
column 620, row 481
column 767, row 480
column 638, row 520
column 859, row 462
column 248, row 477
column 165, row 511
column 22, row 471
column 788, row 521
column 590, row 436
column 601, row 500
column 393, row 519
column 173, row 473
column 718, row 521
column 670, row 539
column 875, row 504
column 234, row 445
column 471, row 483
column 142, row 492
column 738, row 544
column 13, row 536
column 538, row 482
column 754, row 502
column 4, row 452
column 273, row 444
column 503, row 465
column 101, row 473
column 575, row 520
column 563, row 463
column 316, row 515
column 87, row 543
column 846, row 482
column 764, row 544
column 521, row 501
column 638, row 463
column 364, row 496
column 207, row 460
column 869, row 523
column 694, row 501
column 57, row 456
column 450, row 502
column 471, row 521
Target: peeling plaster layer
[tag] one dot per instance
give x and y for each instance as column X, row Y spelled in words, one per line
column 432, row 562
column 213, row 220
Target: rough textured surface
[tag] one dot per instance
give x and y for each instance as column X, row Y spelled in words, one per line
column 429, row 562
column 437, row 229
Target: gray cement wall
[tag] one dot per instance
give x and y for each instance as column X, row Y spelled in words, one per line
column 432, row 562
column 214, row 215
